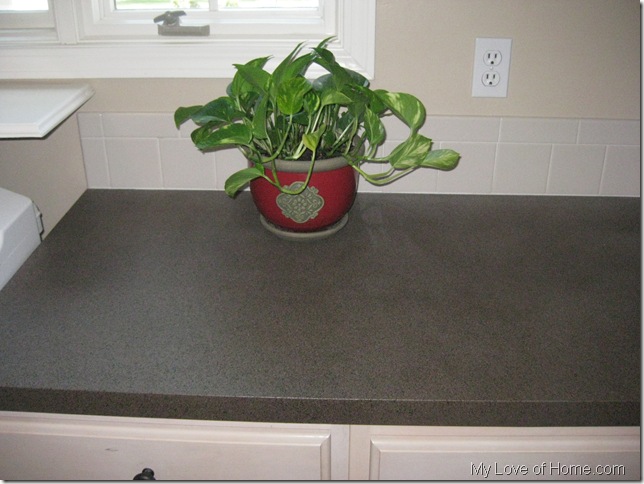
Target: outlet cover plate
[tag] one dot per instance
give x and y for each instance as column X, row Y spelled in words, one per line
column 484, row 70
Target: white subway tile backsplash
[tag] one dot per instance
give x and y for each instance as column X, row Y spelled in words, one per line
column 134, row 162
column 468, row 129
column 134, row 125
column 228, row 162
column 419, row 181
column 521, row 168
column 474, row 171
column 186, row 129
column 537, row 156
column 95, row 158
column 538, row 130
column 622, row 171
column 575, row 170
column 90, row 125
column 185, row 167
column 609, row 132
column 396, row 129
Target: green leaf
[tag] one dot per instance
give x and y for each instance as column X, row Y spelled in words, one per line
column 292, row 66
column 374, row 129
column 406, row 107
column 324, row 82
column 357, row 78
column 332, row 96
column 411, row 153
column 290, row 95
column 257, row 77
column 219, row 111
column 232, row 134
column 280, row 72
column 236, row 181
column 183, row 114
column 297, row 68
column 259, row 119
column 357, row 110
column 247, row 102
column 311, row 102
column 445, row 159
column 327, row 41
column 239, row 84
column 326, row 59
column 312, row 140
column 374, row 102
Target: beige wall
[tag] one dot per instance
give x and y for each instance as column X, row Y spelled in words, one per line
column 49, row 171
column 570, row 58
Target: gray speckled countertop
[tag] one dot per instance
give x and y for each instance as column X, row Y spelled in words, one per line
column 423, row 310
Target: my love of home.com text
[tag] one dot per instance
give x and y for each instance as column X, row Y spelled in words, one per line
column 546, row 470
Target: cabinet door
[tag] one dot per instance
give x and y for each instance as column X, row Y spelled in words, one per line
column 429, row 453
column 65, row 447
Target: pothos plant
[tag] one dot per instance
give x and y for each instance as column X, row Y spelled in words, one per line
column 283, row 115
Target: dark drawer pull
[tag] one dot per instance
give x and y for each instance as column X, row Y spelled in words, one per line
column 146, row 474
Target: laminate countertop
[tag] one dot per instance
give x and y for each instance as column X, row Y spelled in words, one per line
column 423, row 310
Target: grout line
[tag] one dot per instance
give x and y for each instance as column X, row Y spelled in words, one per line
column 603, row 175
column 498, row 134
column 496, row 157
column 107, row 164
column 548, row 176
column 158, row 146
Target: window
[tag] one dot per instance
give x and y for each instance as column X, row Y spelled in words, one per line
column 118, row 38
column 210, row 5
column 132, row 19
column 26, row 18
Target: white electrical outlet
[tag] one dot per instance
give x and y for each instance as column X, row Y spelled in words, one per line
column 491, row 78
column 491, row 67
column 492, row 58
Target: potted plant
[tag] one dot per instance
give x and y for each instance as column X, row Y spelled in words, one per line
column 306, row 141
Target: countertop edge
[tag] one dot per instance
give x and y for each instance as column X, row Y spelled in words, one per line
column 324, row 411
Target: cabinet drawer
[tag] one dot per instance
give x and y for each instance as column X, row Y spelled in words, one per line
column 430, row 453
column 63, row 447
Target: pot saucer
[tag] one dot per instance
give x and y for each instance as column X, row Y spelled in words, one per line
column 304, row 236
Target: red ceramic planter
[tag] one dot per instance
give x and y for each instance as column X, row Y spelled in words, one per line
column 321, row 209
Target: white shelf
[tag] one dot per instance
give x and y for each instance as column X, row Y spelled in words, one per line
column 32, row 110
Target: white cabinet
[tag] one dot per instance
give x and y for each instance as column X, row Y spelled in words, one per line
column 461, row 453
column 75, row 447
column 66, row 447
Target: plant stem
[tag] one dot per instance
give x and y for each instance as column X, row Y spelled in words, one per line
column 383, row 178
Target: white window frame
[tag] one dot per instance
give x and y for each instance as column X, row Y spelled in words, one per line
column 84, row 50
